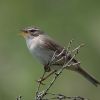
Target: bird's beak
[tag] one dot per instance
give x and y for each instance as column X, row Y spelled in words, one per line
column 23, row 33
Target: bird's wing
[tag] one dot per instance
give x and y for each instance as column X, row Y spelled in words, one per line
column 52, row 45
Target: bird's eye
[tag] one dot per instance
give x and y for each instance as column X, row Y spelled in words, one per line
column 32, row 30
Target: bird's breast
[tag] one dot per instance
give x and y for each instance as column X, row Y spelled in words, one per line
column 42, row 54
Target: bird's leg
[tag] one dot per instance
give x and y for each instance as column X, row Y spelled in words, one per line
column 40, row 80
column 44, row 78
column 46, row 69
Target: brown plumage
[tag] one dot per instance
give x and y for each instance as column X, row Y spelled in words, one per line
column 43, row 47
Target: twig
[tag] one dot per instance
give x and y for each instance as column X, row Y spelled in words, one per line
column 57, row 74
column 57, row 58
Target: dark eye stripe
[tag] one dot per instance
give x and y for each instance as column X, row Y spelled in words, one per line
column 32, row 30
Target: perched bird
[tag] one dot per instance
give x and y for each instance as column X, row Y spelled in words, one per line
column 43, row 47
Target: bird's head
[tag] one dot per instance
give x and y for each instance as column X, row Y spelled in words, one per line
column 31, row 32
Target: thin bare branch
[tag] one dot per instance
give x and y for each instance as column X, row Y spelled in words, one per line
column 57, row 74
column 56, row 58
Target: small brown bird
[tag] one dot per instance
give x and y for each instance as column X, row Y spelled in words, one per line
column 43, row 47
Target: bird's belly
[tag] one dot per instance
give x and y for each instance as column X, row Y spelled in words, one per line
column 44, row 56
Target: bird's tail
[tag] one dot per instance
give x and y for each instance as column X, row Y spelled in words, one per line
column 88, row 76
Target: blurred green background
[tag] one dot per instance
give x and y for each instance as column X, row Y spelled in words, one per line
column 63, row 20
